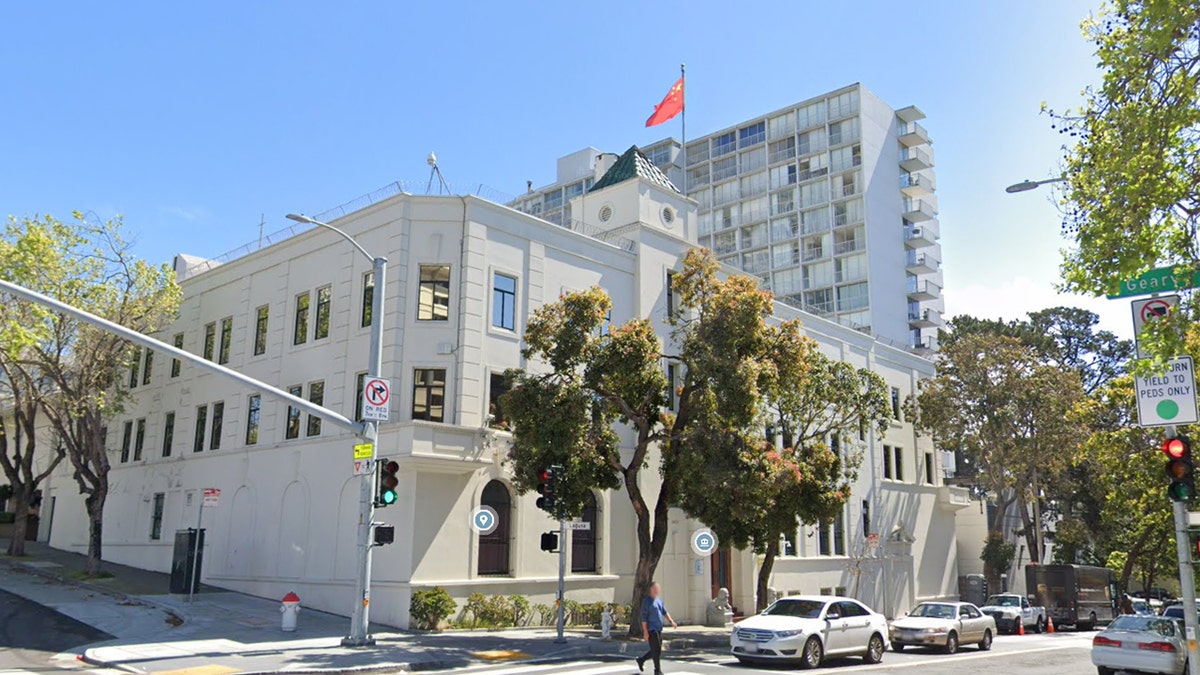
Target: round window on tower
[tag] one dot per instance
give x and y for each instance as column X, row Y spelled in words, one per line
column 668, row 216
column 605, row 213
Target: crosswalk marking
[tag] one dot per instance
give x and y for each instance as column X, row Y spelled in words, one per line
column 625, row 667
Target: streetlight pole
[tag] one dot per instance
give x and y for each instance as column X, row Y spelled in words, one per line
column 360, row 619
column 1027, row 185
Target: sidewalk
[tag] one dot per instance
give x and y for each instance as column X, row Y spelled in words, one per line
column 223, row 632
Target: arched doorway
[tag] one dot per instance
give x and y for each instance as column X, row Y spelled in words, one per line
column 494, row 547
column 583, row 542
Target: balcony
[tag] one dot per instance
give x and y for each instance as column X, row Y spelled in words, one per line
column 925, row 318
column 919, row 210
column 920, row 263
column 849, row 246
column 920, row 237
column 923, row 290
column 922, row 346
column 910, row 114
column 813, row 254
column 911, row 134
column 953, row 498
column 916, row 185
column 916, row 159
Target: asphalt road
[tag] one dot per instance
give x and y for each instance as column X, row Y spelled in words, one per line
column 30, row 634
column 1065, row 653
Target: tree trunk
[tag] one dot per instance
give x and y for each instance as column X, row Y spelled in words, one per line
column 652, row 539
column 95, row 511
column 1131, row 558
column 16, row 545
column 1031, row 538
column 761, row 593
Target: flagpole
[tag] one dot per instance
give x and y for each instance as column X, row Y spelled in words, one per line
column 683, row 131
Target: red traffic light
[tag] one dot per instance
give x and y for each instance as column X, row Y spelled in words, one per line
column 1174, row 448
column 391, row 467
column 544, row 475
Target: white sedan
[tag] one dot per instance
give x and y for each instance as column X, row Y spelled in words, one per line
column 806, row 629
column 943, row 624
column 1143, row 644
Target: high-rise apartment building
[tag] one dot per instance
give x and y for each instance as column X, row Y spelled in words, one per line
column 830, row 201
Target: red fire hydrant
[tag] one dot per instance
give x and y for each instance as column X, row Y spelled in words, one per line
column 290, row 609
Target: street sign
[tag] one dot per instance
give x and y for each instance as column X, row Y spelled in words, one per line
column 364, row 467
column 364, row 451
column 704, row 542
column 376, row 401
column 578, row 525
column 1169, row 398
column 1148, row 310
column 1160, row 280
column 212, row 497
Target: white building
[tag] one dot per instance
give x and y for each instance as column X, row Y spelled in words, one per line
column 831, row 201
column 464, row 275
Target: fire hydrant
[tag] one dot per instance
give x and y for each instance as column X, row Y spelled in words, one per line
column 290, row 609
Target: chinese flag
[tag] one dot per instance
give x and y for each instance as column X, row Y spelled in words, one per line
column 672, row 105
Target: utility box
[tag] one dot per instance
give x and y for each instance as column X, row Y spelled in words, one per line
column 187, row 561
column 973, row 588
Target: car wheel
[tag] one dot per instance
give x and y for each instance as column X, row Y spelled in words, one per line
column 897, row 647
column 745, row 661
column 986, row 643
column 1040, row 626
column 813, row 654
column 1090, row 625
column 874, row 649
column 951, row 643
column 1101, row 670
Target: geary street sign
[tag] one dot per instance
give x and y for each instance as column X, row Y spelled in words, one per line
column 1168, row 398
column 1159, row 280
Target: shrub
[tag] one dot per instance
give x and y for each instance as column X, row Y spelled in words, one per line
column 429, row 607
column 495, row 611
column 544, row 614
column 520, row 609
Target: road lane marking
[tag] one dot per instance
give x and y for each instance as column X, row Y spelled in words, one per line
column 968, row 657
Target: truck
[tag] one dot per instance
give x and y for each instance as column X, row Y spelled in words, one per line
column 1011, row 611
column 1074, row 595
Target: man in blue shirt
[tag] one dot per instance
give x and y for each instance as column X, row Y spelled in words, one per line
column 653, row 612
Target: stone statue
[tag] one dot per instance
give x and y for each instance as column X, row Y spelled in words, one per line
column 719, row 613
column 772, row 595
column 607, row 622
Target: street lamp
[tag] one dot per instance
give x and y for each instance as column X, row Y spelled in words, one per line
column 359, row 620
column 1027, row 185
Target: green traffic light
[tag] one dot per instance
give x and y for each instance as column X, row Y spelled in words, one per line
column 1181, row 492
column 389, row 496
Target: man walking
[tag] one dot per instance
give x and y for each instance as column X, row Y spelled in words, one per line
column 653, row 613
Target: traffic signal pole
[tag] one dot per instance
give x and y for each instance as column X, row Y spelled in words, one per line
column 1187, row 574
column 562, row 576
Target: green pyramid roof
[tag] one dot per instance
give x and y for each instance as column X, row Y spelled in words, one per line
column 633, row 164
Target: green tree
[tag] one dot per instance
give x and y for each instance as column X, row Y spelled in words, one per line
column 590, row 381
column 1131, row 199
column 997, row 557
column 88, row 265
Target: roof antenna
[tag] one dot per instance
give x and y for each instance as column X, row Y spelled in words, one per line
column 431, row 160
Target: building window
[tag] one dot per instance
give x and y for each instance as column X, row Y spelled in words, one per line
column 316, row 394
column 839, row 534
column 724, row 144
column 300, row 330
column 893, row 462
column 359, row 382
column 324, row 295
column 253, row 415
column 670, row 293
column 504, row 301
column 126, row 437
column 139, row 439
column 498, row 386
column 156, row 516
column 210, row 340
column 888, row 472
column 493, row 547
column 368, row 298
column 866, row 517
column 147, row 366
column 672, row 371
column 929, row 468
column 433, row 297
column 226, row 339
column 168, row 434
column 176, row 364
column 133, row 368
column 583, row 542
column 218, row 426
column 823, row 539
column 292, row 430
column 895, row 403
column 261, row 318
column 429, row 394
column 201, row 422
column 755, row 133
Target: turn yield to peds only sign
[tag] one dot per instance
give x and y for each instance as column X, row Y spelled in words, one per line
column 1168, row 398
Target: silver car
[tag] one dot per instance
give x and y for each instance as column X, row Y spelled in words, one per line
column 943, row 624
column 1144, row 644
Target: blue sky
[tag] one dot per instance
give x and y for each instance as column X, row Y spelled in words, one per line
column 196, row 120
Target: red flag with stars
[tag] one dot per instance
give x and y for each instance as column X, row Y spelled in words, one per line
column 672, row 105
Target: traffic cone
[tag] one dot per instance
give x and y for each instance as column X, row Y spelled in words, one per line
column 1020, row 627
column 1049, row 625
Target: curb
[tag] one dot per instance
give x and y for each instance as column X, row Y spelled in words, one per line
column 96, row 588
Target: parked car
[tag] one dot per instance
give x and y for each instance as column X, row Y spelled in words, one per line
column 1074, row 595
column 806, row 629
column 1011, row 611
column 943, row 624
column 1143, row 644
column 1143, row 607
column 1175, row 611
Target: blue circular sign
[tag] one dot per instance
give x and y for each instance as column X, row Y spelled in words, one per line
column 484, row 520
column 704, row 542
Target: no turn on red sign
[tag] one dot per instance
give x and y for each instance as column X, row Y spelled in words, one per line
column 1149, row 310
column 376, row 399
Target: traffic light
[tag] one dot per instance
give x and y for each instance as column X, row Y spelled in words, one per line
column 1180, row 469
column 547, row 484
column 386, row 482
column 550, row 542
column 385, row 534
